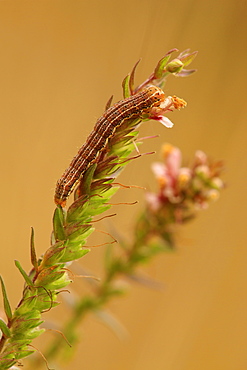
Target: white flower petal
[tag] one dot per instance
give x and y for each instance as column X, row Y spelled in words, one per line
column 165, row 121
column 158, row 169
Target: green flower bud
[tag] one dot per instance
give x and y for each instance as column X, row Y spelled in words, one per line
column 175, row 66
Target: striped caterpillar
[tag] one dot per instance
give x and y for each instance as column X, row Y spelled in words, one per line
column 136, row 106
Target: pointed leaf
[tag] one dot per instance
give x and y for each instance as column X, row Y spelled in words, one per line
column 58, row 223
column 5, row 330
column 159, row 70
column 186, row 72
column 33, row 252
column 100, row 209
column 28, row 335
column 22, row 354
column 6, row 363
column 85, row 183
column 7, row 307
column 171, row 51
column 54, row 254
column 22, row 324
column 72, row 254
column 29, row 303
column 126, row 87
column 49, row 275
column 188, row 58
column 78, row 234
column 183, row 53
column 108, row 104
column 76, row 211
column 84, row 228
column 24, row 274
column 132, row 77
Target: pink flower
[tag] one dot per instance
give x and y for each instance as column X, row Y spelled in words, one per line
column 184, row 189
column 170, row 103
column 169, row 173
column 153, row 201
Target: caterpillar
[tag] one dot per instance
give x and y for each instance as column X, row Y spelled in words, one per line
column 136, row 106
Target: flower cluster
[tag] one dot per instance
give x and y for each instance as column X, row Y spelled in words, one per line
column 181, row 191
column 186, row 188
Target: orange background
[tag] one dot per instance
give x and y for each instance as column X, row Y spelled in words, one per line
column 60, row 61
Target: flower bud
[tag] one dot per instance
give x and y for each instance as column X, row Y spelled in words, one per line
column 200, row 158
column 162, row 181
column 203, row 171
column 197, row 184
column 174, row 66
column 166, row 150
column 212, row 194
column 217, row 183
column 183, row 178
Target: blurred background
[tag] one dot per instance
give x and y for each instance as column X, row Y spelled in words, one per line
column 60, row 62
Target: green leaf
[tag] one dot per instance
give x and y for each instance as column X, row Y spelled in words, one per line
column 49, row 275
column 58, row 223
column 24, row 310
column 5, row 330
column 185, row 72
column 54, row 254
column 100, row 187
column 110, row 192
column 72, row 255
column 45, row 301
column 100, row 209
column 188, row 58
column 21, row 324
column 33, row 314
column 27, row 335
column 22, row 354
column 78, row 236
column 85, row 183
column 6, row 363
column 159, row 69
column 132, row 76
column 71, row 228
column 7, row 307
column 126, row 87
column 29, row 303
column 77, row 211
column 58, row 284
column 33, row 252
column 24, row 274
column 96, row 199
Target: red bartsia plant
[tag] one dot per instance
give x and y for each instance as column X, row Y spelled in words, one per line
column 94, row 170
column 182, row 191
